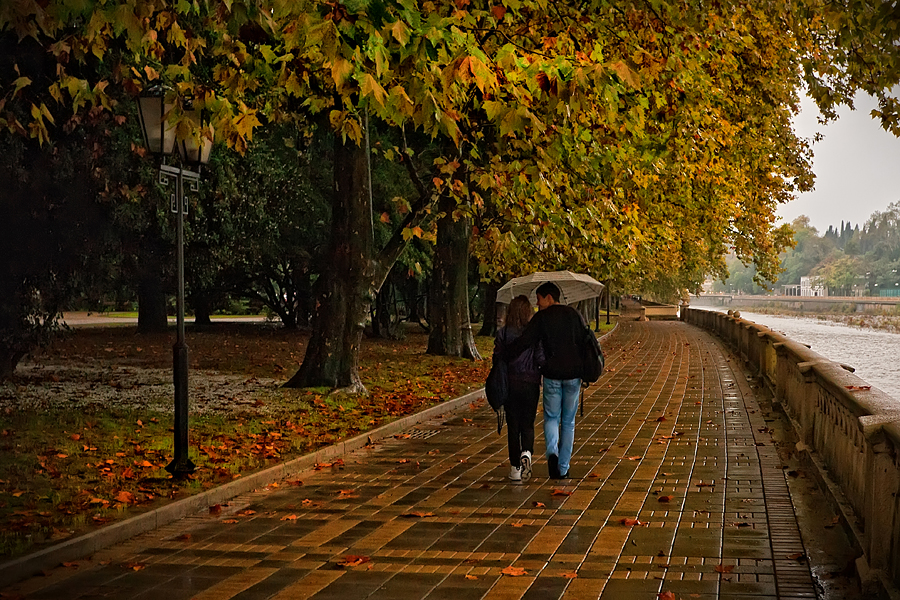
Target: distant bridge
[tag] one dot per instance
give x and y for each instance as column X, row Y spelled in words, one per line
column 802, row 303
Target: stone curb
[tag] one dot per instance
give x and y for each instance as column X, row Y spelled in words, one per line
column 84, row 545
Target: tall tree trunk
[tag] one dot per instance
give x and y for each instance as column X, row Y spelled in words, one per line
column 152, row 316
column 448, row 311
column 346, row 288
column 489, row 323
column 202, row 310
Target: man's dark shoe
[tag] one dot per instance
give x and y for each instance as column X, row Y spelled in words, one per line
column 562, row 475
column 553, row 465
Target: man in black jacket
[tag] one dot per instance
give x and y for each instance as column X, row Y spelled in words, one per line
column 560, row 329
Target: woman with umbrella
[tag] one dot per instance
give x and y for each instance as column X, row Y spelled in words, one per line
column 524, row 380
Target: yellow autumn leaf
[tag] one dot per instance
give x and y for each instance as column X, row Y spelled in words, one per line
column 370, row 87
column 340, row 71
column 400, row 32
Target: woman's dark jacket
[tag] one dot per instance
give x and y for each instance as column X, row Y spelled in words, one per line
column 524, row 367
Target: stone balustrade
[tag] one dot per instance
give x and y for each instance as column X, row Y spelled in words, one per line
column 850, row 430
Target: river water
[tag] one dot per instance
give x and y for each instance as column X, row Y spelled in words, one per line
column 874, row 354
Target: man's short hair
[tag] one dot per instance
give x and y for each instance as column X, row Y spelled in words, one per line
column 548, row 289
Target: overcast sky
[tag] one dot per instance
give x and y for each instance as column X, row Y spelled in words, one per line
column 857, row 167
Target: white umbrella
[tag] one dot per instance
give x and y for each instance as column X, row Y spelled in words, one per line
column 573, row 287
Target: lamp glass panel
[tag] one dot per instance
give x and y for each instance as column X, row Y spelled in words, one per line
column 196, row 149
column 159, row 135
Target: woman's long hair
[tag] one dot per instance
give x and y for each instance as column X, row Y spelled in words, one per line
column 519, row 312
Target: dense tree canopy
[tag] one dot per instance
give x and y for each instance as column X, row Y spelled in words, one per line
column 639, row 141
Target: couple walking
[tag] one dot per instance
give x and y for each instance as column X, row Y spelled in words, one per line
column 549, row 345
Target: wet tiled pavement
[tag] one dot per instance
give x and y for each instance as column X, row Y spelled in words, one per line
column 677, row 487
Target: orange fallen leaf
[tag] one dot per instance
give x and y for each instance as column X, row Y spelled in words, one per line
column 539, row 504
column 557, row 492
column 124, row 497
column 796, row 556
column 417, row 513
column 571, row 575
column 289, row 518
column 246, row 513
column 61, row 455
column 75, row 437
column 666, row 596
column 347, row 494
column 70, row 564
column 352, row 561
column 183, row 537
column 215, row 509
column 471, row 577
column 665, row 498
column 229, row 521
column 630, row 522
column 513, row 571
column 518, row 524
column 724, row 568
column 134, row 566
column 403, row 461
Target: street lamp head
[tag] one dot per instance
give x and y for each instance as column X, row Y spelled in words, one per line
column 195, row 149
column 159, row 134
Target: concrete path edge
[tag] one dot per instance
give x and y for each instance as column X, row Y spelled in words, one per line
column 89, row 543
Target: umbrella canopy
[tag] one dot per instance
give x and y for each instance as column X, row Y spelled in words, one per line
column 573, row 287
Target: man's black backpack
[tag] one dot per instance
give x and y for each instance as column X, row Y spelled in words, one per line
column 591, row 358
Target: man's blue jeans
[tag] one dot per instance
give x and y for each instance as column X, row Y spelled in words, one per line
column 560, row 405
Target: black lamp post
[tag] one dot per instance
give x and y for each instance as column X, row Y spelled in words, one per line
column 159, row 137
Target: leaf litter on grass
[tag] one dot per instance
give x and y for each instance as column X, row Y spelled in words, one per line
column 78, row 451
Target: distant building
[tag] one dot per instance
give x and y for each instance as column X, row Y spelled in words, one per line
column 812, row 286
column 791, row 290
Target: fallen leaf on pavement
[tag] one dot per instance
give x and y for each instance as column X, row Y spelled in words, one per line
column 471, row 577
column 230, row 521
column 289, row 518
column 724, row 568
column 539, row 505
column 557, row 492
column 513, row 571
column 417, row 513
column 665, row 498
column 352, row 561
column 630, row 522
column 571, row 575
column 666, row 596
column 215, row 508
column 797, row 556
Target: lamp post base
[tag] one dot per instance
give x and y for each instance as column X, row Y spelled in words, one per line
column 181, row 465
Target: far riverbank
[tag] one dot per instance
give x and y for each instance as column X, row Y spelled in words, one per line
column 865, row 320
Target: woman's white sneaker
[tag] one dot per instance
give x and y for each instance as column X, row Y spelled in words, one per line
column 525, row 469
column 515, row 474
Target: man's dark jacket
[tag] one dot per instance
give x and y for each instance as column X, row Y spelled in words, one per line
column 560, row 329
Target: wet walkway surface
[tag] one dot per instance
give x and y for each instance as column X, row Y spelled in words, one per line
column 677, row 492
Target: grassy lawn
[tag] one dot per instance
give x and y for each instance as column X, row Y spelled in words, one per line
column 65, row 470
